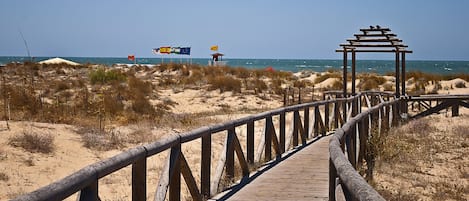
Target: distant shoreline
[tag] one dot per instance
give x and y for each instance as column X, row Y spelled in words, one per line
column 293, row 65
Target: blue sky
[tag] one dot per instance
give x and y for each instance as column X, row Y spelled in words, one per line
column 303, row 29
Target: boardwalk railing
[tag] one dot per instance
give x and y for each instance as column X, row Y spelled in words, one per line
column 349, row 143
column 283, row 129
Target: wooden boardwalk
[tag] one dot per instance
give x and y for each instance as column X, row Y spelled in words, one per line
column 302, row 176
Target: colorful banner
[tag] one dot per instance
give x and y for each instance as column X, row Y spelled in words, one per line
column 214, row 48
column 185, row 50
column 175, row 50
column 131, row 57
column 156, row 51
column 172, row 50
column 165, row 50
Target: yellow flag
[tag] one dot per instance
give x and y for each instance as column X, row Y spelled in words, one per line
column 214, row 48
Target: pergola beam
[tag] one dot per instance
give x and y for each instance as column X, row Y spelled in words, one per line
column 375, row 39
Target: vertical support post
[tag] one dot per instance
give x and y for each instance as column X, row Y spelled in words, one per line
column 336, row 114
column 90, row 192
column 403, row 74
column 316, row 121
column 455, row 109
column 139, row 179
column 296, row 120
column 326, row 116
column 282, row 132
column 306, row 122
column 205, row 165
column 332, row 178
column 175, row 173
column 397, row 74
column 345, row 73
column 353, row 73
column 268, row 138
column 230, row 171
column 250, row 142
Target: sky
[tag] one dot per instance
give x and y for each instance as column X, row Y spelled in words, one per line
column 275, row 29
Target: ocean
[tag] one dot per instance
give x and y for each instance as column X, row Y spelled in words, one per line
column 293, row 65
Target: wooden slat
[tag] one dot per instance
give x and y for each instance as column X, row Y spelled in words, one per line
column 239, row 153
column 375, row 35
column 163, row 182
column 373, row 40
column 376, row 50
column 189, row 178
column 373, row 45
column 296, row 119
column 306, row 121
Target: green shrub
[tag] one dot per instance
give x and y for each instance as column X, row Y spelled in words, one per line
column 102, row 76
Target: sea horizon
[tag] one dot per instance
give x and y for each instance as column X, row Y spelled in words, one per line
column 379, row 66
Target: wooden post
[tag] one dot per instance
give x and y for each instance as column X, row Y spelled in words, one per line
column 90, row 192
column 296, row 119
column 306, row 122
column 316, row 121
column 353, row 73
column 336, row 114
column 230, row 154
column 345, row 73
column 282, row 132
column 397, row 74
column 139, row 179
column 205, row 165
column 332, row 178
column 268, row 139
column 299, row 95
column 403, row 74
column 326, row 116
column 250, row 142
column 455, row 109
column 175, row 173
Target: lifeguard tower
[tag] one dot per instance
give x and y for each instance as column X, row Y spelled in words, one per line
column 217, row 60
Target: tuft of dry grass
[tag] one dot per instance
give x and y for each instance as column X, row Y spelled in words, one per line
column 424, row 161
column 33, row 142
column 4, row 176
column 225, row 83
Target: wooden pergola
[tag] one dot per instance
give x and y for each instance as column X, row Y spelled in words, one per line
column 375, row 39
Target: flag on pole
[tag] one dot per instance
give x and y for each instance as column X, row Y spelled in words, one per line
column 165, row 50
column 214, row 48
column 131, row 57
column 175, row 50
column 156, row 51
column 185, row 50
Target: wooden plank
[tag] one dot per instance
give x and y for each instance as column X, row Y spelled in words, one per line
column 268, row 139
column 239, row 153
column 296, row 120
column 219, row 169
column 283, row 181
column 163, row 182
column 189, row 179
column 374, row 45
column 376, row 50
column 139, row 180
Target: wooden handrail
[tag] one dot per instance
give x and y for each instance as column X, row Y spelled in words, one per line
column 86, row 180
